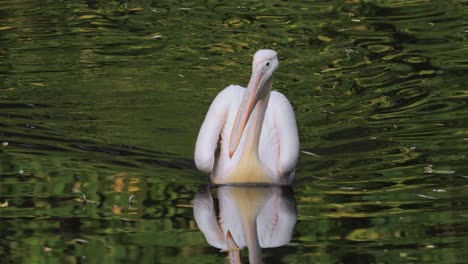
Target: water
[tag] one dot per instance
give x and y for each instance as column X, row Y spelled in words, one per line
column 105, row 99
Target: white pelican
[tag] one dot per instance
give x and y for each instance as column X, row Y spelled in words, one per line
column 256, row 130
column 252, row 217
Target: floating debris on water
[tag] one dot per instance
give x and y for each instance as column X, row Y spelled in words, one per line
column 350, row 51
column 321, row 178
column 21, row 171
column 429, row 169
column 155, row 35
column 310, row 153
column 46, row 249
column 131, row 199
column 83, row 200
column 5, row 143
column 3, row 205
column 427, row 197
column 438, row 190
column 79, row 240
column 330, row 69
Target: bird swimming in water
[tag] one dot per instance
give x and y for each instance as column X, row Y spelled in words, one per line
column 255, row 128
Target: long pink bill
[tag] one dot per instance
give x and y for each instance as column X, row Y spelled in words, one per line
column 246, row 107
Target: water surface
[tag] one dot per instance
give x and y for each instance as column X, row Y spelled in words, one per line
column 105, row 99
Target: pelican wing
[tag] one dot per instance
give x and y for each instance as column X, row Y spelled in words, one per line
column 210, row 130
column 288, row 138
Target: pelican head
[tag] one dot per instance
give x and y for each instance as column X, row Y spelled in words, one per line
column 265, row 62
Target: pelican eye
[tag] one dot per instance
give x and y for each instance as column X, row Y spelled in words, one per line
column 268, row 64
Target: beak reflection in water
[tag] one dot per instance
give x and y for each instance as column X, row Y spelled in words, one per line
column 252, row 217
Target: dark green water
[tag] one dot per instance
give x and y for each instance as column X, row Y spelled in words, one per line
column 106, row 97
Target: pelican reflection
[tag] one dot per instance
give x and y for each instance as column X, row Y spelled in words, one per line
column 252, row 217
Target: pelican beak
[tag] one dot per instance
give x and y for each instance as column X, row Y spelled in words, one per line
column 251, row 96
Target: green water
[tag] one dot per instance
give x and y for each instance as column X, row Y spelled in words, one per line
column 105, row 98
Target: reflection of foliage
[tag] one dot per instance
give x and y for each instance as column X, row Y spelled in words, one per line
column 58, row 227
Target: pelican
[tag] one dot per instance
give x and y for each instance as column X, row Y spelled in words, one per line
column 255, row 128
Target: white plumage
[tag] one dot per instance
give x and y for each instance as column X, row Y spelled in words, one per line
column 255, row 129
